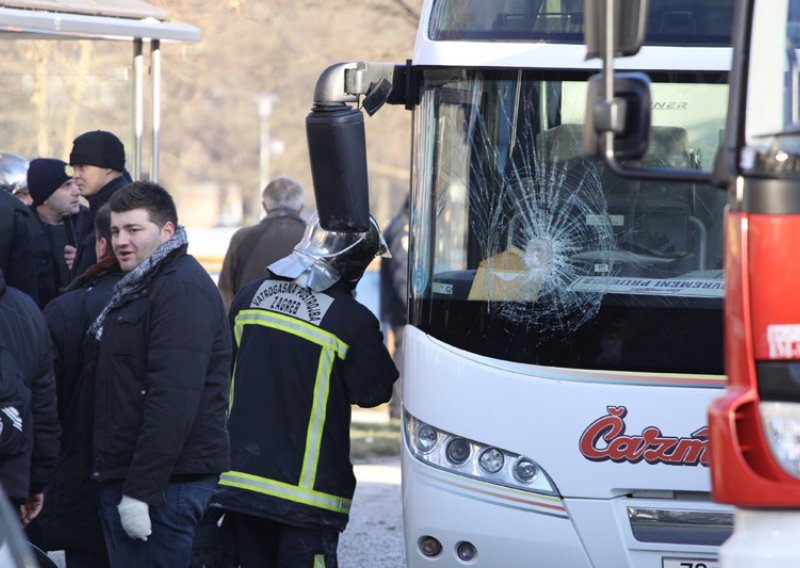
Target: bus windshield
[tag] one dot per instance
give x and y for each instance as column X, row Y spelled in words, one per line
column 672, row 22
column 525, row 250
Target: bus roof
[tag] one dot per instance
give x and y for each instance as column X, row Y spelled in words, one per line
column 90, row 19
column 484, row 34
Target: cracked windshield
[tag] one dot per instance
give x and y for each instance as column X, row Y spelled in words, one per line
column 526, row 250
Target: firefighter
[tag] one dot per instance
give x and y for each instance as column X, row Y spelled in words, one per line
column 305, row 351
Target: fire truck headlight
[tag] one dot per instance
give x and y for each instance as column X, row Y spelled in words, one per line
column 781, row 422
column 474, row 459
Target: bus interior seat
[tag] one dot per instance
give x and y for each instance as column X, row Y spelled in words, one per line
column 661, row 221
column 698, row 203
column 678, row 22
column 536, row 16
column 561, row 143
column 648, row 217
column 515, row 22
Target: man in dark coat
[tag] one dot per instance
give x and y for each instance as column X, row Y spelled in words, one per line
column 15, row 422
column 98, row 158
column 394, row 294
column 16, row 260
column 69, row 520
column 26, row 352
column 56, row 215
column 254, row 248
column 305, row 351
column 161, row 379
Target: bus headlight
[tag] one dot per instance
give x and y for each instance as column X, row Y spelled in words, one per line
column 491, row 460
column 525, row 470
column 474, row 459
column 425, row 438
column 458, row 450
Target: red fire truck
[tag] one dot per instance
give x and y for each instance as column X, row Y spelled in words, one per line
column 755, row 425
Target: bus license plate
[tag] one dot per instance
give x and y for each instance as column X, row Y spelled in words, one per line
column 689, row 563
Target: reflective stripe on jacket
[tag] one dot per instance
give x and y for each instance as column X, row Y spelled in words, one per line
column 302, row 358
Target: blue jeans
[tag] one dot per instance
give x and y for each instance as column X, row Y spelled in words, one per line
column 173, row 522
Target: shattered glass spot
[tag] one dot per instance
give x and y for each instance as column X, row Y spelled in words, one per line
column 532, row 223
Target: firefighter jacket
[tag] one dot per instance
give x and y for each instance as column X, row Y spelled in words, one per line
column 302, row 358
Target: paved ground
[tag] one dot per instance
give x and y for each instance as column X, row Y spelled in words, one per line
column 374, row 536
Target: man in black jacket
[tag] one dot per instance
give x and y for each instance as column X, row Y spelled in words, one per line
column 56, row 215
column 98, row 158
column 69, row 519
column 26, row 353
column 16, row 260
column 161, row 380
column 305, row 351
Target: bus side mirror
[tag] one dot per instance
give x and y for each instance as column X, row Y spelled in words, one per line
column 338, row 154
column 627, row 115
column 629, row 23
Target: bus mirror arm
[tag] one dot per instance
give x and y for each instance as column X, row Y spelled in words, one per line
column 337, row 143
column 347, row 82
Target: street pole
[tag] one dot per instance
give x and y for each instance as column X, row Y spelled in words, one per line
column 265, row 102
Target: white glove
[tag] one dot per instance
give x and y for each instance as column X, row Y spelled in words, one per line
column 135, row 517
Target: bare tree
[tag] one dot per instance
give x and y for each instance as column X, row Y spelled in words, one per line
column 210, row 133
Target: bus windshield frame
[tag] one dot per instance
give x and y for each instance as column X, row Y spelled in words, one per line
column 525, row 250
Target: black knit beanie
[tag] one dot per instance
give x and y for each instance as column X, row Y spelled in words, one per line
column 45, row 175
column 98, row 148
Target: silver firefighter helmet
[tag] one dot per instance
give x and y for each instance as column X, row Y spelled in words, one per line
column 13, row 173
column 323, row 257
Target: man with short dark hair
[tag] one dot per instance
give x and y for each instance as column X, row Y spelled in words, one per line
column 69, row 519
column 161, row 386
column 98, row 158
column 252, row 249
column 57, row 214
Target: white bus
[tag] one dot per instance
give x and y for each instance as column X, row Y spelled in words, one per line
column 565, row 324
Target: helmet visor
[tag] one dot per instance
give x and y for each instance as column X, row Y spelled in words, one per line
column 320, row 243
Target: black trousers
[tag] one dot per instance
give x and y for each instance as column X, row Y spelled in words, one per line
column 253, row 542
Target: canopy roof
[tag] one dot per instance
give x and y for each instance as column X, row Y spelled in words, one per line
column 90, row 19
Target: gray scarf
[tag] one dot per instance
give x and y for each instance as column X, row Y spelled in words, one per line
column 133, row 279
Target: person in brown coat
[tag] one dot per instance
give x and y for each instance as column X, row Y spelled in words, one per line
column 253, row 248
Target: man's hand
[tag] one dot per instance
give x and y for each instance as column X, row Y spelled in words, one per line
column 31, row 508
column 135, row 517
column 69, row 255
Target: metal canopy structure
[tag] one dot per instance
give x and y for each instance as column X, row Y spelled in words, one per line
column 108, row 20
